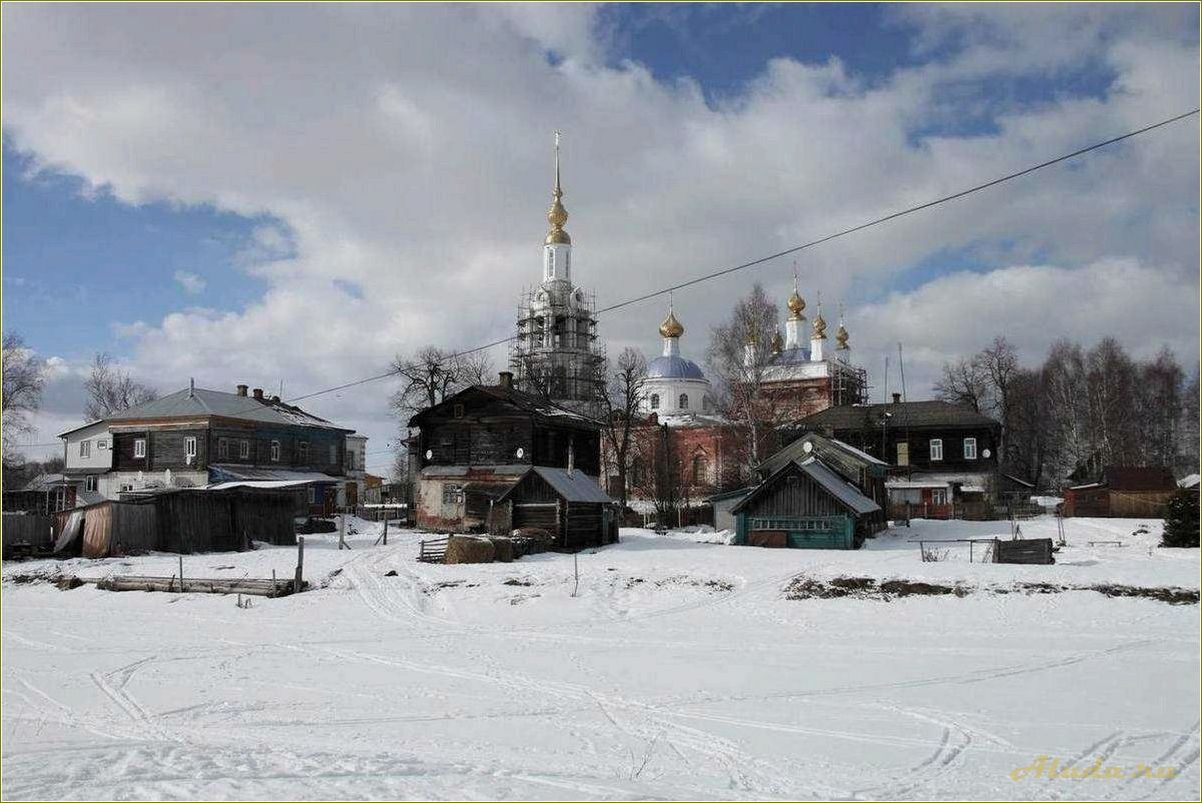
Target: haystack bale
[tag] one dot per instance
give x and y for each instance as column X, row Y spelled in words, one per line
column 469, row 549
column 504, row 549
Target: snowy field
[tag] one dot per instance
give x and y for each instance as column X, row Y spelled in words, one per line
column 679, row 670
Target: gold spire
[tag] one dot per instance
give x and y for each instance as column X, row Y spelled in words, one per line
column 819, row 324
column 841, row 332
column 671, row 327
column 777, row 344
column 795, row 303
column 557, row 215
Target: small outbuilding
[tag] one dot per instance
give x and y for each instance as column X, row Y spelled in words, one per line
column 567, row 504
column 805, row 505
column 1122, row 491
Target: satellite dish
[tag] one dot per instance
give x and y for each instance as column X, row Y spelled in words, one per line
column 429, row 454
column 521, row 452
column 985, row 453
column 807, row 447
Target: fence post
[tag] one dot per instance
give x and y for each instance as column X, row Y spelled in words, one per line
column 385, row 529
column 181, row 573
column 300, row 564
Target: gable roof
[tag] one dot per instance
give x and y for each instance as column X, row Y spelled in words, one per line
column 900, row 414
column 524, row 402
column 575, row 486
column 822, row 444
column 202, row 402
column 844, row 492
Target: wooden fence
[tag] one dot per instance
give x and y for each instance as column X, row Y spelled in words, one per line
column 119, row 528
column 27, row 533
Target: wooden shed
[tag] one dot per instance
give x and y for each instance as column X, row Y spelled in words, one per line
column 566, row 503
column 1122, row 491
column 805, row 506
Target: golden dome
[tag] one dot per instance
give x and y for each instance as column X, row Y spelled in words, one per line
column 777, row 344
column 819, row 327
column 557, row 216
column 841, row 337
column 671, row 327
column 796, row 304
column 557, row 237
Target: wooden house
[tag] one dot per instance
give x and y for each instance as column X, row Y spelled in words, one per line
column 476, row 444
column 1122, row 492
column 939, row 454
column 565, row 503
column 805, row 505
column 867, row 473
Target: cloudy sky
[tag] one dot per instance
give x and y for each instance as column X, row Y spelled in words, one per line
column 274, row 194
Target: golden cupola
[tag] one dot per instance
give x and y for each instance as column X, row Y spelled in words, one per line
column 796, row 305
column 557, row 216
column 841, row 337
column 671, row 327
column 819, row 325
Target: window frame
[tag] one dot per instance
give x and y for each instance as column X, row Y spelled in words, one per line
column 973, row 442
column 140, row 448
column 190, row 446
column 89, row 483
column 223, row 448
column 302, row 452
column 653, row 401
column 243, row 449
column 903, row 446
column 935, row 452
column 85, row 448
column 683, row 401
column 275, row 451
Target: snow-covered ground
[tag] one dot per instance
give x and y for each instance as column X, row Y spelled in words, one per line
column 677, row 670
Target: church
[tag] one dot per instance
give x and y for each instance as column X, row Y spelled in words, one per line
column 555, row 354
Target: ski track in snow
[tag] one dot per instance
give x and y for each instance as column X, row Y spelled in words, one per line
column 444, row 682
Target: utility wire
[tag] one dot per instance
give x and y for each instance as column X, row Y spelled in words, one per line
column 760, row 261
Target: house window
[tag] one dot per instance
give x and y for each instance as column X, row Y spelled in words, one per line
column 102, row 444
column 452, row 494
column 636, row 471
column 903, row 453
column 939, row 496
column 970, row 448
column 139, row 447
column 654, row 401
column 223, row 447
column 936, row 449
column 85, row 448
column 302, row 451
column 684, row 401
column 190, row 446
column 457, row 411
column 275, row 451
column 244, row 449
column 350, row 460
column 312, row 495
column 89, row 482
column 333, row 454
column 698, row 469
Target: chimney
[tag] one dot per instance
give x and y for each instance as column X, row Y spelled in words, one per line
column 506, row 379
column 275, row 399
column 258, row 393
column 191, row 387
column 242, row 390
column 897, row 398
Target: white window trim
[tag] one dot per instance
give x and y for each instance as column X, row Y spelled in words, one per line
column 936, row 446
column 275, row 451
column 85, row 448
column 654, row 401
column 190, row 446
column 89, row 483
column 970, row 454
column 140, row 448
column 243, row 449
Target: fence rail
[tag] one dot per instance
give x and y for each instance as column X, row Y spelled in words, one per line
column 433, row 550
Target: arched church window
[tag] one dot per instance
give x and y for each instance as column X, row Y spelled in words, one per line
column 699, row 468
column 684, row 401
column 654, row 401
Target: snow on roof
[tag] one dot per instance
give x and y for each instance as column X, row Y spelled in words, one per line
column 844, row 491
column 221, row 486
column 226, row 472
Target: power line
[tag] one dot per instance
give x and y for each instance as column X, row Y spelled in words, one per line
column 756, row 262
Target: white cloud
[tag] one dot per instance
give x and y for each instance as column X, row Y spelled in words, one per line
column 406, row 151
column 191, row 282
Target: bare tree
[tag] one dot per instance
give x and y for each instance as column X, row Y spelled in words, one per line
column 427, row 377
column 24, row 377
column 655, row 471
column 111, row 390
column 739, row 355
column 964, row 382
column 620, row 401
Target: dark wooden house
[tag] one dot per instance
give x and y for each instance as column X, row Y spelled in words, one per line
column 805, row 505
column 474, row 445
column 567, row 504
column 939, row 454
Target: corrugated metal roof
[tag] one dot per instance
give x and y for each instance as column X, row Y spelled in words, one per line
column 842, row 490
column 205, row 402
column 913, row 414
column 574, row 487
column 225, row 472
